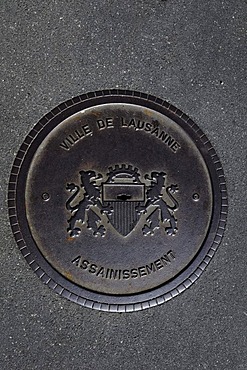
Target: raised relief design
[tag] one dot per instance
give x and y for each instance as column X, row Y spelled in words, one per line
column 122, row 199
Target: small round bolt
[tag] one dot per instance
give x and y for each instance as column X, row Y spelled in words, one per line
column 45, row 196
column 196, row 197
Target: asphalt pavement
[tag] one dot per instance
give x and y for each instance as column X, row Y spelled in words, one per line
column 190, row 53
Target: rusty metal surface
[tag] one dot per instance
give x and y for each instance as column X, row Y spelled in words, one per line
column 117, row 200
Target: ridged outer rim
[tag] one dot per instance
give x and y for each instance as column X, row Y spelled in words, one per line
column 98, row 301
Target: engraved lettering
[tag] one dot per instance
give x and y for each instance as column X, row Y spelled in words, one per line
column 92, row 268
column 77, row 261
column 150, row 268
column 134, row 273
column 132, row 123
column 175, row 146
column 126, row 274
column 87, row 130
column 79, row 134
column 148, row 127
column 163, row 135
column 118, row 274
column 153, row 129
column 65, row 145
column 171, row 254
column 74, row 139
column 70, row 141
column 124, row 124
column 140, row 125
column 101, row 272
column 164, row 259
column 107, row 273
column 101, row 124
column 84, row 264
column 107, row 123
column 158, row 264
column 75, row 136
column 169, row 140
column 113, row 274
column 142, row 271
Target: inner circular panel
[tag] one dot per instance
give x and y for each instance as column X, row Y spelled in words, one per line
column 118, row 198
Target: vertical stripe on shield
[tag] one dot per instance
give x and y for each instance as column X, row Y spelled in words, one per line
column 124, row 216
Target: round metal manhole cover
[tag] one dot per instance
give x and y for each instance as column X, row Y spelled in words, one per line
column 117, row 200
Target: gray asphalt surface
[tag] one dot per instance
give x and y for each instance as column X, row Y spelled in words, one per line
column 191, row 53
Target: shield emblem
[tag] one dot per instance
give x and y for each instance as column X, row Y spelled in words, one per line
column 123, row 196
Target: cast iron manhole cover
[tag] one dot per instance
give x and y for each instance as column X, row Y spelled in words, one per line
column 117, row 200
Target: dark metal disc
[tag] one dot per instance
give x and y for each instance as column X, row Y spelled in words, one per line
column 117, row 200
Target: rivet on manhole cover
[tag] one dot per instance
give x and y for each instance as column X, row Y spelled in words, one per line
column 117, row 200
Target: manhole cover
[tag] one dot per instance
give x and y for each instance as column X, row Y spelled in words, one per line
column 117, row 200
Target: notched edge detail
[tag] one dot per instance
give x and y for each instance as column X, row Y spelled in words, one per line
column 45, row 278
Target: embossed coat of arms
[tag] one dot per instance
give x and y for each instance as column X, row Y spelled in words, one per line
column 121, row 199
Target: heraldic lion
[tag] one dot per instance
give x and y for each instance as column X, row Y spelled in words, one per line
column 163, row 213
column 89, row 194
